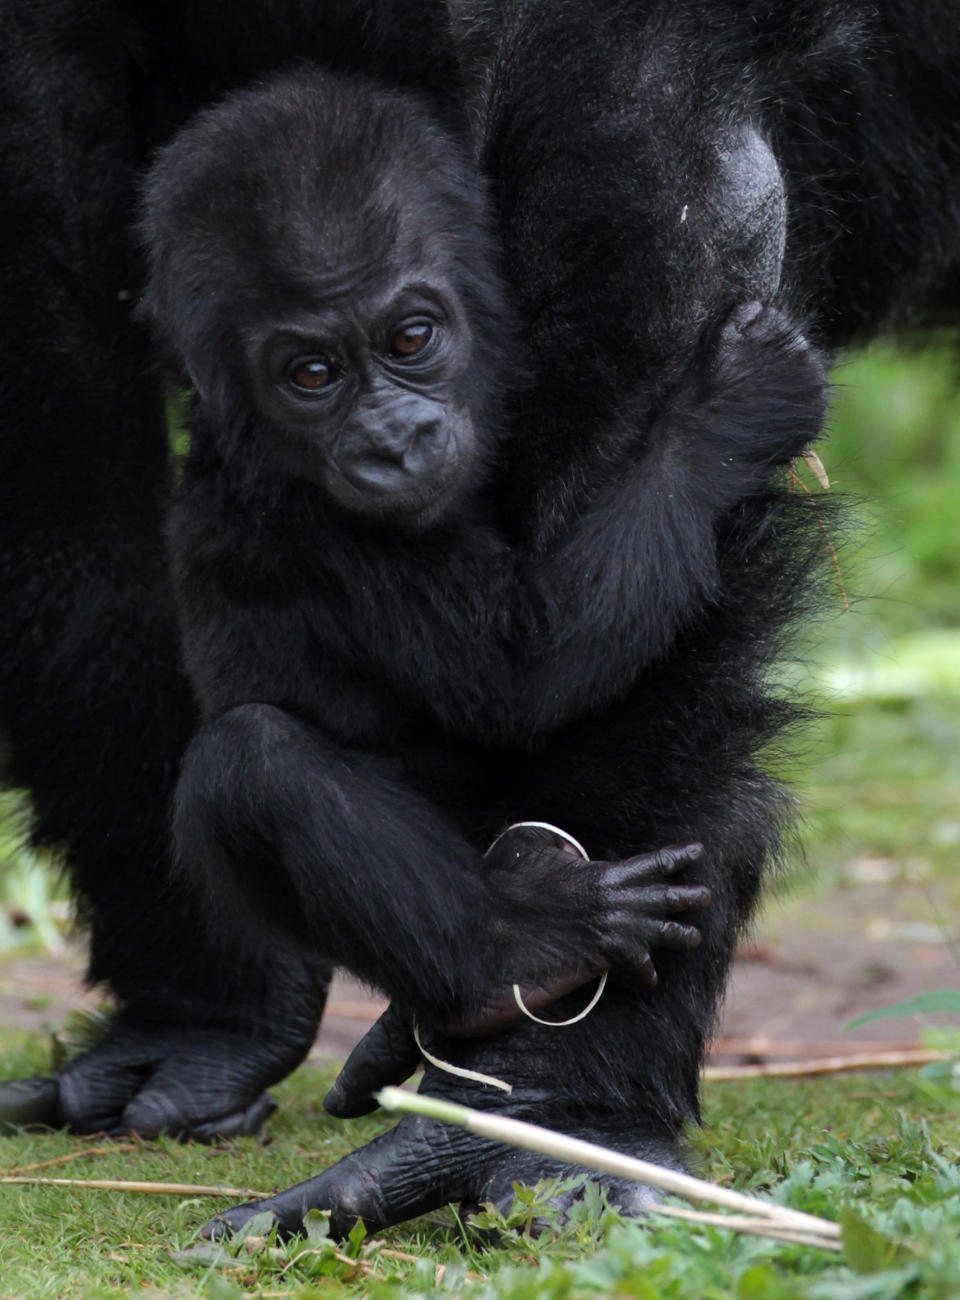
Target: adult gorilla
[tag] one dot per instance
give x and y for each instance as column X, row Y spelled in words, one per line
column 613, row 118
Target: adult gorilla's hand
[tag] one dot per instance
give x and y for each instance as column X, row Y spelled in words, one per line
column 422, row 1164
column 151, row 1078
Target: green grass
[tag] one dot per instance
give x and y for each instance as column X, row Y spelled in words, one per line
column 858, row 1143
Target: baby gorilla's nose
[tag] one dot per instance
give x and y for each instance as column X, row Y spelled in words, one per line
column 406, row 441
column 400, row 453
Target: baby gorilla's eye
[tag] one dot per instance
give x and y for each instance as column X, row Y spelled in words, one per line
column 312, row 373
column 410, row 339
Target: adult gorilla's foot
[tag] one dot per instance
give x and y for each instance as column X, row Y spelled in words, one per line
column 149, row 1078
column 422, row 1165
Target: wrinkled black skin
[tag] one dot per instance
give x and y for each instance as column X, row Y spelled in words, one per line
column 859, row 104
column 384, row 687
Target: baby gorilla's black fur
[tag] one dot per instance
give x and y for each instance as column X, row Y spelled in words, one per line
column 392, row 673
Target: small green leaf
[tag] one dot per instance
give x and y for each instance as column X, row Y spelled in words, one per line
column 924, row 1004
column 316, row 1224
column 864, row 1248
column 358, row 1235
column 944, row 1073
column 222, row 1288
column 206, row 1254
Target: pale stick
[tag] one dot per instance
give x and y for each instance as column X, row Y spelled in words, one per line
column 518, row 1133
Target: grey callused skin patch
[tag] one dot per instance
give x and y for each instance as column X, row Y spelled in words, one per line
column 750, row 207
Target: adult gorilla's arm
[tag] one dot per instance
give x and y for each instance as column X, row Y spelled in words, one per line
column 645, row 423
column 641, row 563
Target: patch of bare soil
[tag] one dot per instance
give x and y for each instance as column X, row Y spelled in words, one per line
column 811, row 968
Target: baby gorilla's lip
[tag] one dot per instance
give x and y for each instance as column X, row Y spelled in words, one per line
column 378, row 474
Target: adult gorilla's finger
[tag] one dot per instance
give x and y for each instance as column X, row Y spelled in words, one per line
column 418, row 1166
column 386, row 1054
column 29, row 1101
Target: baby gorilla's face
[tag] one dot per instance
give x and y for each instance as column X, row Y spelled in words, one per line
column 321, row 265
column 369, row 393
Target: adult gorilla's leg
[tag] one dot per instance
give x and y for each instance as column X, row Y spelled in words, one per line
column 94, row 710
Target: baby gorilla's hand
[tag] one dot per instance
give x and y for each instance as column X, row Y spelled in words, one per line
column 764, row 400
column 593, row 914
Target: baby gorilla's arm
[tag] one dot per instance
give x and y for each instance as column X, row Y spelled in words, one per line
column 640, row 564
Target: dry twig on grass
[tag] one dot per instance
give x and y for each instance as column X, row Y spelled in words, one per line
column 139, row 1188
column 113, row 1149
column 819, row 1065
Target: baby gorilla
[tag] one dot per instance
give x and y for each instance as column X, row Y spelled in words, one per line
column 322, row 267
column 382, row 649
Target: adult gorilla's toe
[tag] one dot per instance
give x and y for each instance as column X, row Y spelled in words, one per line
column 95, row 1088
column 185, row 1106
column 512, row 1166
column 387, row 1054
column 239, row 1123
column 422, row 1165
column 158, row 1079
column 25, row 1102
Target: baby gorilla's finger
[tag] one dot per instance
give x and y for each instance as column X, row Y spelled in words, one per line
column 416, row 1167
column 386, row 1054
column 638, row 960
column 672, row 934
column 664, row 861
column 659, row 900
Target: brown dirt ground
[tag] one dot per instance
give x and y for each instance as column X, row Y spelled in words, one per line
column 812, row 966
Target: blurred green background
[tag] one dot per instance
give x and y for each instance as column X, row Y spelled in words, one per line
column 879, row 778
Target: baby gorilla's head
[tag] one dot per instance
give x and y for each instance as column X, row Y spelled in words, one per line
column 320, row 265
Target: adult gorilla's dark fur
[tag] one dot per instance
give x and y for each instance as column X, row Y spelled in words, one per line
column 651, row 165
